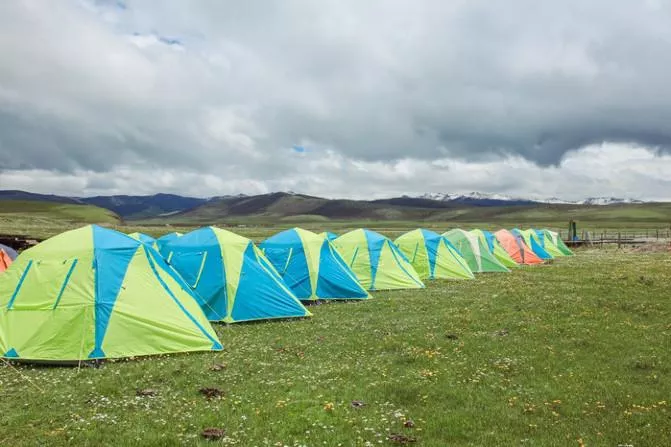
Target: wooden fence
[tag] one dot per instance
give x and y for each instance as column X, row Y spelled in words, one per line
column 619, row 237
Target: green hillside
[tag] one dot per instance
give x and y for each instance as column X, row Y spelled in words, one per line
column 658, row 213
column 275, row 208
column 260, row 216
column 39, row 219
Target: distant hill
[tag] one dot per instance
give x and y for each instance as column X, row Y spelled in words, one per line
column 138, row 207
column 57, row 211
column 40, row 220
column 32, row 197
column 286, row 205
column 128, row 207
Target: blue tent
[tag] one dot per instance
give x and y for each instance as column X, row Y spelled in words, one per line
column 311, row 266
column 491, row 240
column 144, row 238
column 167, row 238
column 233, row 279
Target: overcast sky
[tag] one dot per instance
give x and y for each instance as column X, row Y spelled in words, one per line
column 337, row 98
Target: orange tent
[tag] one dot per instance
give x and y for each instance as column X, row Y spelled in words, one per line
column 5, row 261
column 516, row 248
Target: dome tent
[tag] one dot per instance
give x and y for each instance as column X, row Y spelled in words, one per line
column 95, row 293
column 233, row 279
column 495, row 248
column 311, row 266
column 533, row 242
column 552, row 243
column 329, row 235
column 167, row 238
column 9, row 251
column 144, row 238
column 433, row 256
column 5, row 261
column 377, row 261
column 516, row 248
column 7, row 256
column 475, row 252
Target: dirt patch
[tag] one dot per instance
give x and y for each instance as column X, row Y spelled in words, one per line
column 147, row 392
column 398, row 438
column 212, row 434
column 502, row 333
column 218, row 367
column 211, row 393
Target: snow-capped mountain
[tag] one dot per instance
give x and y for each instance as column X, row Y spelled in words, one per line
column 485, row 198
column 607, row 201
column 554, row 200
column 446, row 197
column 477, row 199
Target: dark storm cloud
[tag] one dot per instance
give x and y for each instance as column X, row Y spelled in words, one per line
column 238, row 84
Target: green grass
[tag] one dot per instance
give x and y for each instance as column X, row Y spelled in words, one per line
column 43, row 219
column 549, row 355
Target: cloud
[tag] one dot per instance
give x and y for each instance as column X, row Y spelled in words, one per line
column 224, row 89
column 617, row 170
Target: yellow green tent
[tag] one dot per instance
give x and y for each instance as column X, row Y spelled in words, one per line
column 553, row 244
column 233, row 279
column 433, row 256
column 495, row 248
column 95, row 293
column 475, row 252
column 377, row 261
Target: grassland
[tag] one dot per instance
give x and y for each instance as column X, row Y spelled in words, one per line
column 43, row 219
column 571, row 353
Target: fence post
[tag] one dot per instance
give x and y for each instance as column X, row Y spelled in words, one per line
column 619, row 240
column 657, row 233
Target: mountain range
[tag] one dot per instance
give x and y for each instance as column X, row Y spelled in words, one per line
column 478, row 198
column 284, row 204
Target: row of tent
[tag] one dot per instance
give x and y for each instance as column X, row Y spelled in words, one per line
column 95, row 293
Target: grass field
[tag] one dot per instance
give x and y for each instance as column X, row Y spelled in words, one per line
column 571, row 353
column 44, row 219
